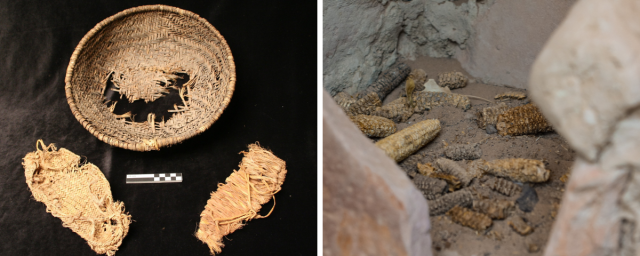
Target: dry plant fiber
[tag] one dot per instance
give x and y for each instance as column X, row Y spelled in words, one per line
column 511, row 95
column 409, row 88
column 425, row 169
column 142, row 51
column 410, row 164
column 419, row 76
column 239, row 200
column 449, row 167
column 404, row 143
column 78, row 194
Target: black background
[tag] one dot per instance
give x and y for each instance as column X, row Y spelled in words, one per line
column 274, row 49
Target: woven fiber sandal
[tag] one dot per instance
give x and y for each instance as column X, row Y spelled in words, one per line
column 142, row 53
column 78, row 194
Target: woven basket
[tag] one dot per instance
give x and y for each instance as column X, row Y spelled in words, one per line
column 142, row 50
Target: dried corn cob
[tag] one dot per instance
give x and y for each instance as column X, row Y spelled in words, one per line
column 518, row 224
column 466, row 217
column 402, row 144
column 410, row 165
column 444, row 203
column 489, row 115
column 495, row 209
column 374, row 126
column 521, row 120
column 502, row 186
column 427, row 100
column 449, row 167
column 344, row 100
column 431, row 188
column 396, row 110
column 452, row 79
column 511, row 95
column 518, row 169
column 463, row 151
column 365, row 105
column 388, row 80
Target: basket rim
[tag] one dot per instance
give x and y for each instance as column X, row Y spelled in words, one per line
column 154, row 144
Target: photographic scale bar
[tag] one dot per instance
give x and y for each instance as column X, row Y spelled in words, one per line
column 154, row 178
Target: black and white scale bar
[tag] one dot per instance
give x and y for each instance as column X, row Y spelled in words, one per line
column 154, row 178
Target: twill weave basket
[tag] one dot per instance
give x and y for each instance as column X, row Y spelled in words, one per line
column 143, row 50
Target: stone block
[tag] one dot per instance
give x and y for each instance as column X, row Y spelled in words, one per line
column 370, row 207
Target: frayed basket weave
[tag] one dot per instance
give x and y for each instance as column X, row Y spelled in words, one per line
column 142, row 51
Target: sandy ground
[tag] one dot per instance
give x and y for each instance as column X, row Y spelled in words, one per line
column 460, row 127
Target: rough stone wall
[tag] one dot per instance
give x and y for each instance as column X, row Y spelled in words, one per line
column 587, row 83
column 495, row 40
column 507, row 38
column 370, row 207
column 363, row 37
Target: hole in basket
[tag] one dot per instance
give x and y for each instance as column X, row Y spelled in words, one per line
column 140, row 109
